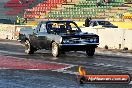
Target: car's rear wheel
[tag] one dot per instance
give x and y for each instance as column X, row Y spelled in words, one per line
column 29, row 48
column 55, row 49
column 90, row 52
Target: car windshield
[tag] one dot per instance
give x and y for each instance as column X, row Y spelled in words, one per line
column 104, row 23
column 62, row 27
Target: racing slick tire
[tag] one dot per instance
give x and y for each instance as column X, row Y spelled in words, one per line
column 29, row 48
column 55, row 49
column 90, row 52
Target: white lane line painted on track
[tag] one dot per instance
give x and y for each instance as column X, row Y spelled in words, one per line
column 65, row 70
column 70, row 72
column 130, row 82
column 62, row 71
column 113, row 53
column 36, row 69
column 114, row 66
column 109, row 53
column 12, row 43
column 23, row 69
column 3, row 68
column 11, row 52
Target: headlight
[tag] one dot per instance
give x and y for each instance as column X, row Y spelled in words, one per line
column 61, row 40
column 95, row 40
column 66, row 41
column 91, row 40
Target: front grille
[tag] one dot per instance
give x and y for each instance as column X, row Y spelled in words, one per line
column 81, row 40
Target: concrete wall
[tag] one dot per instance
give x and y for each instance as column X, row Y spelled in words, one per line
column 114, row 38
column 6, row 32
column 10, row 31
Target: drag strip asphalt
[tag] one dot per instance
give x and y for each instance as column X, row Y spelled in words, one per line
column 42, row 70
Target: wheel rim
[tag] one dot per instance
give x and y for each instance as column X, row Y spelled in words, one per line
column 27, row 46
column 54, row 49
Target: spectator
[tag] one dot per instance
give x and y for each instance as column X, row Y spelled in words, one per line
column 87, row 21
column 25, row 20
column 18, row 20
column 27, row 1
column 105, row 1
column 23, row 1
column 98, row 3
column 19, row 1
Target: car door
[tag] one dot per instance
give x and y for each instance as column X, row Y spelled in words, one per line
column 41, row 36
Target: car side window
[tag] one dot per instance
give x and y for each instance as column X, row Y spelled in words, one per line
column 43, row 28
column 91, row 23
column 94, row 24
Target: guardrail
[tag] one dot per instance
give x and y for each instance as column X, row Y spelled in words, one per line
column 113, row 38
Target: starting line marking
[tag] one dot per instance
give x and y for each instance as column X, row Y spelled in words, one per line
column 10, row 62
column 64, row 70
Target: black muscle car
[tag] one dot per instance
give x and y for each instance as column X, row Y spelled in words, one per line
column 59, row 37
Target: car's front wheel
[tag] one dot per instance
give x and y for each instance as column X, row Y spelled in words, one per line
column 29, row 48
column 90, row 52
column 55, row 49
